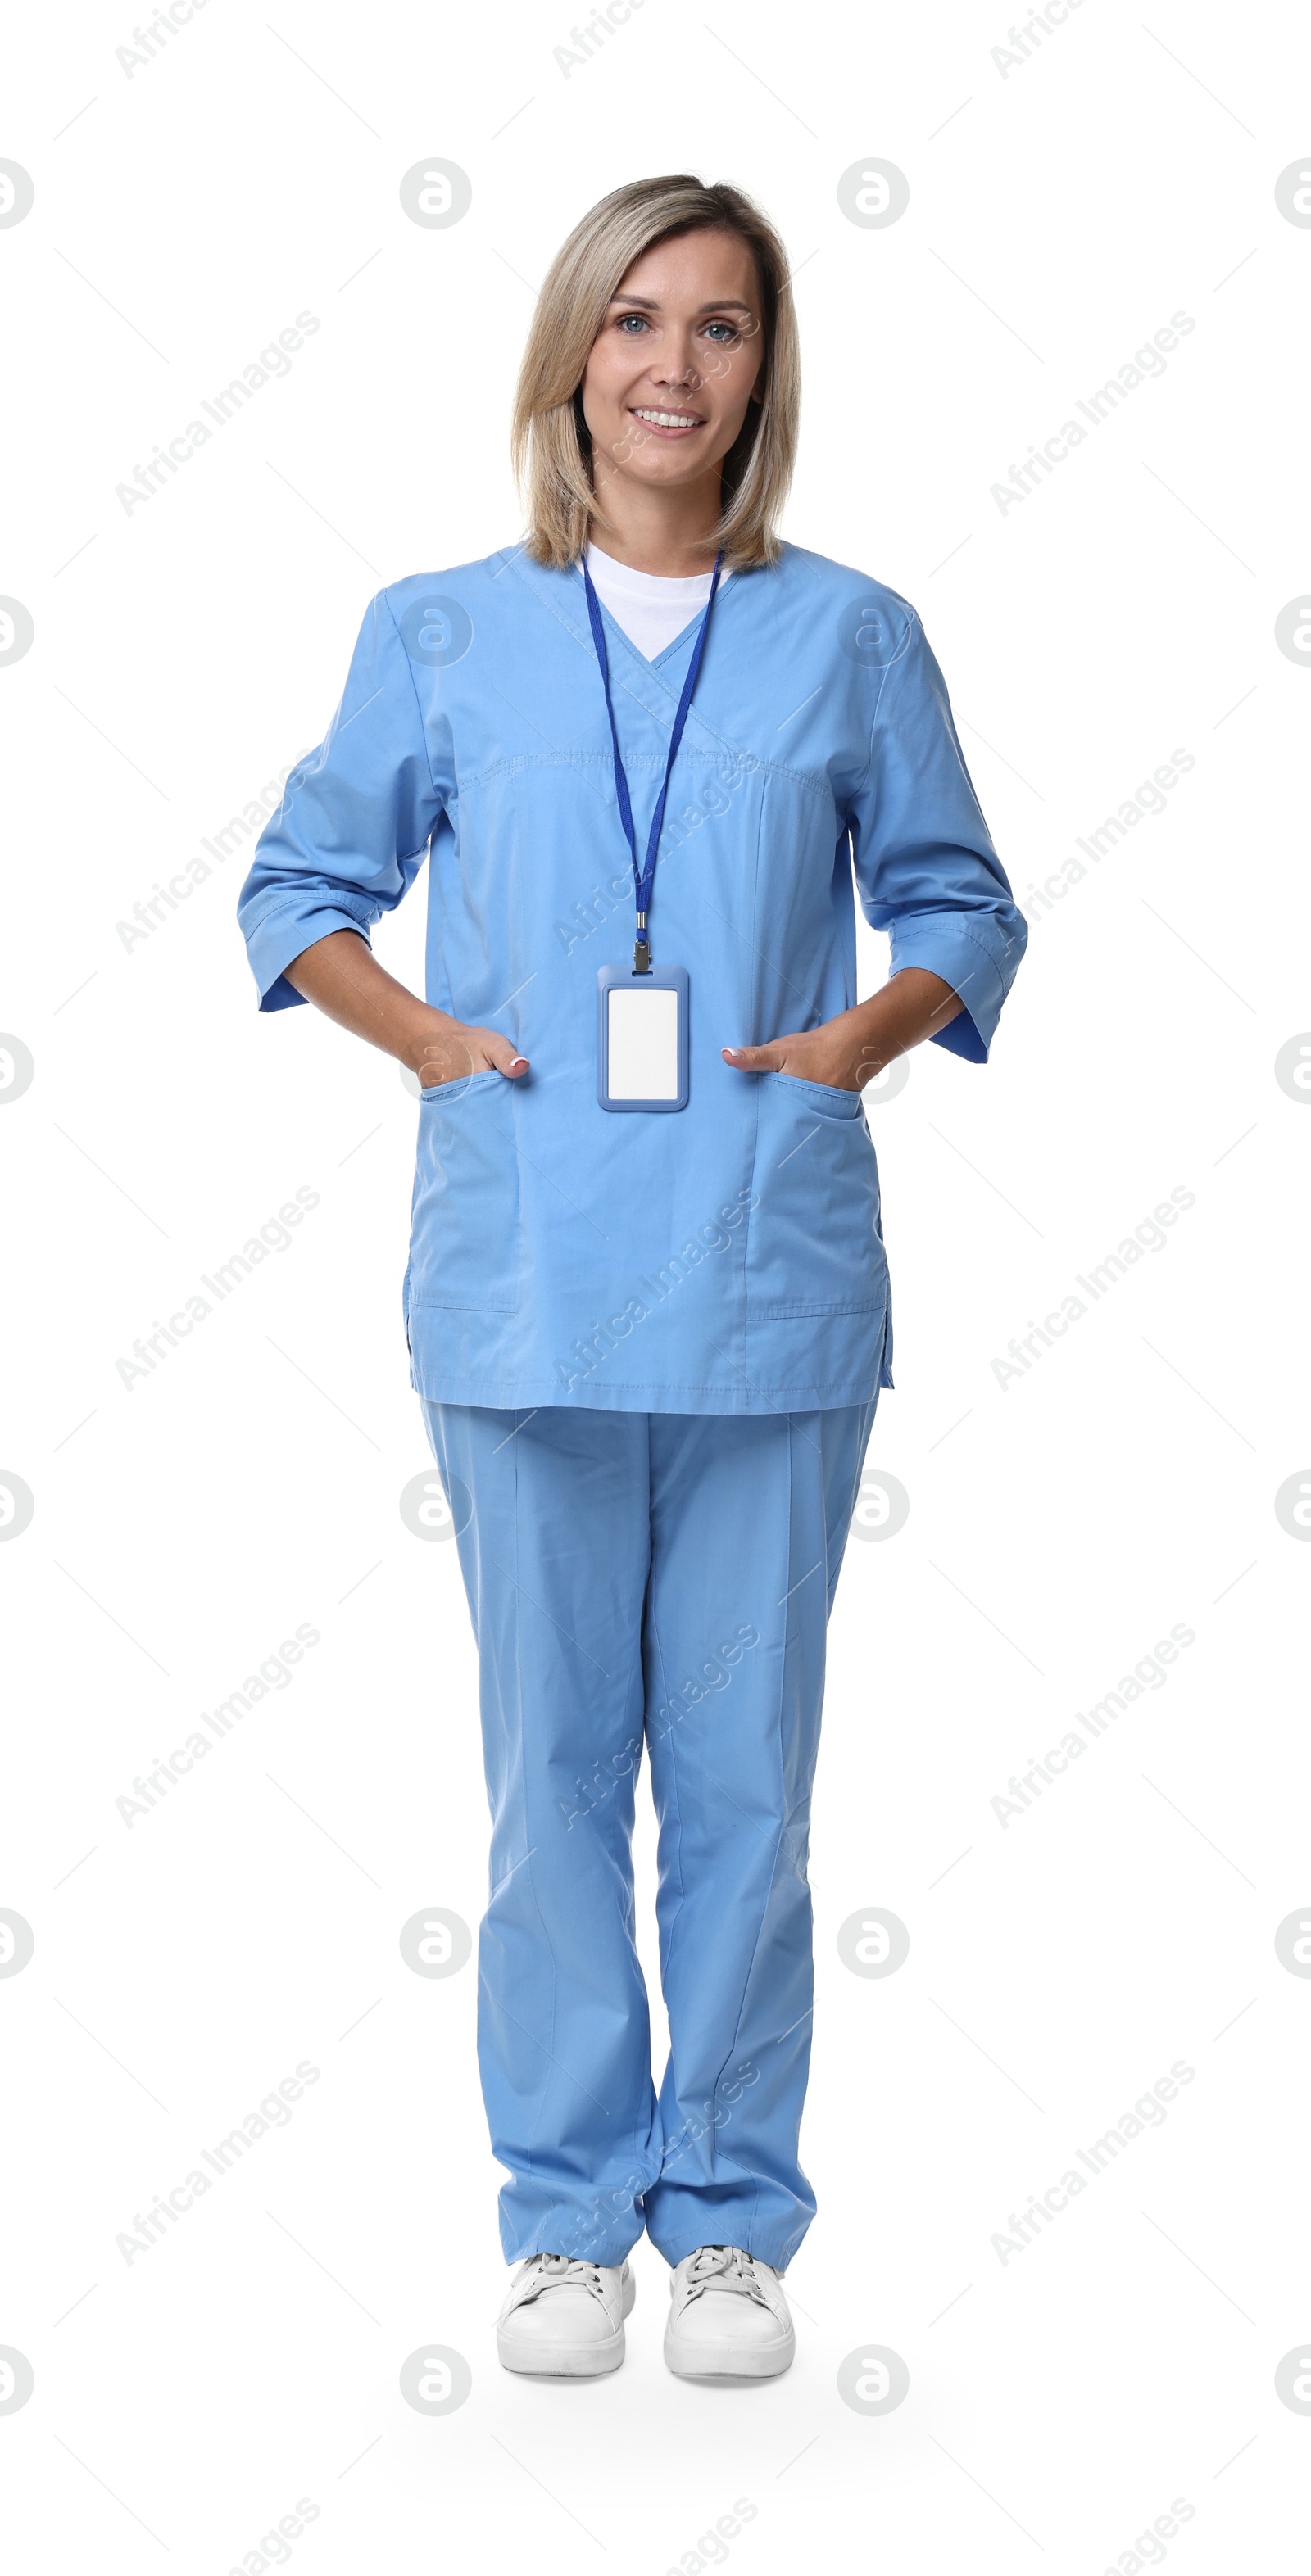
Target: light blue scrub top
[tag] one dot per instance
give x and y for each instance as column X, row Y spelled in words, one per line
column 728, row 1257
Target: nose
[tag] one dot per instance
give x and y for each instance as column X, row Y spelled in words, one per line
column 684, row 378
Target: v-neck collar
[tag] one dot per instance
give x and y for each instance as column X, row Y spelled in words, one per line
column 615, row 624
column 563, row 594
column 644, row 662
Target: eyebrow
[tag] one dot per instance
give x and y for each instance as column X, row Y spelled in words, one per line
column 720, row 303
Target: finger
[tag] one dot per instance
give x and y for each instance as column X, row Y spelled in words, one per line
column 504, row 1058
column 760, row 1059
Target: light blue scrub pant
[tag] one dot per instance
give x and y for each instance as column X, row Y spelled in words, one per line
column 660, row 1580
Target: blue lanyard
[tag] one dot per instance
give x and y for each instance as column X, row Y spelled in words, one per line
column 644, row 877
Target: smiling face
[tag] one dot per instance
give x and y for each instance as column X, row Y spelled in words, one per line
column 675, row 363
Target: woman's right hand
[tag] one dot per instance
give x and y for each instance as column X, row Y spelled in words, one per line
column 449, row 1050
column 342, row 976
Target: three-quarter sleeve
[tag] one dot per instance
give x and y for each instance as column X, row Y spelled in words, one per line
column 926, row 870
column 355, row 820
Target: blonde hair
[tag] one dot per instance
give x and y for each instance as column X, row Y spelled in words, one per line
column 550, row 441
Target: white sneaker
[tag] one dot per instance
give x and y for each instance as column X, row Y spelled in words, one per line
column 728, row 2318
column 564, row 2319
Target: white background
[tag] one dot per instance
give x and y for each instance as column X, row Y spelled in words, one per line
column 1060, row 211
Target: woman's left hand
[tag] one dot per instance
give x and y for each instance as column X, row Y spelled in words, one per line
column 847, row 1052
column 836, row 1054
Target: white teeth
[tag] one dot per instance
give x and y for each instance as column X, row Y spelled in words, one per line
column 670, row 419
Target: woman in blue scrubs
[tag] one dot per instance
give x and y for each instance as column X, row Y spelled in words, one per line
column 651, row 755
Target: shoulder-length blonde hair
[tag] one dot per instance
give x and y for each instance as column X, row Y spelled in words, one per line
column 550, row 441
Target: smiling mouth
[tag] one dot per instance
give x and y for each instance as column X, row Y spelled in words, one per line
column 678, row 421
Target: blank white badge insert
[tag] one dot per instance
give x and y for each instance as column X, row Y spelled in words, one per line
column 642, row 1042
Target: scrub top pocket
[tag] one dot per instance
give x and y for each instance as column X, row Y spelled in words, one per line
column 816, row 1242
column 464, row 1223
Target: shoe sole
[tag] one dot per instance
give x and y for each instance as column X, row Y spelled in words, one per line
column 542, row 2360
column 730, row 2361
column 561, row 2360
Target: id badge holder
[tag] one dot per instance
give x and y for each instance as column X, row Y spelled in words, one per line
column 641, row 1038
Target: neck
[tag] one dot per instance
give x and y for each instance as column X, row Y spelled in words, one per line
column 660, row 532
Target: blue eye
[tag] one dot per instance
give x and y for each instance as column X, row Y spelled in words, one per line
column 626, row 318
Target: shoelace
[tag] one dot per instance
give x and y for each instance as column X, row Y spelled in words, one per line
column 550, row 2271
column 724, row 2267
